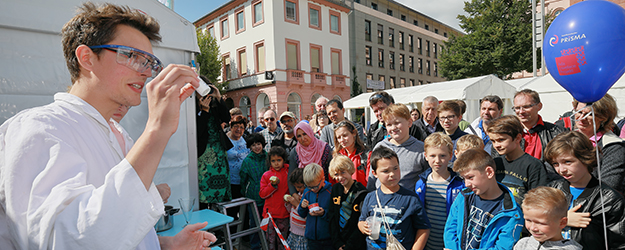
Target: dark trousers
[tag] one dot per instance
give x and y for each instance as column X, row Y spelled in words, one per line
column 255, row 238
column 319, row 244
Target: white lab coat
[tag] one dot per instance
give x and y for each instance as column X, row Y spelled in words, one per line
column 64, row 183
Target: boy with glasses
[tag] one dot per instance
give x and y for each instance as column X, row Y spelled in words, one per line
column 64, row 167
column 536, row 132
column 449, row 115
column 314, row 206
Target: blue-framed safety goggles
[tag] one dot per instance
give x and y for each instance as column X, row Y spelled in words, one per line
column 135, row 59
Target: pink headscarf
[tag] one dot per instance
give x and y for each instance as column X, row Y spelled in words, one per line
column 314, row 151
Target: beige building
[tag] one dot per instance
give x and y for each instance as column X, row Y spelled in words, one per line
column 393, row 46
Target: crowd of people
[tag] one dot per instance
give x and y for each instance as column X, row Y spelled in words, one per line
column 435, row 181
column 71, row 177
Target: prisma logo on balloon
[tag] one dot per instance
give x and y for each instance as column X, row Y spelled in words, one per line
column 553, row 40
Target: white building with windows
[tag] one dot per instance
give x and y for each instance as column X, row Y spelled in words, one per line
column 282, row 53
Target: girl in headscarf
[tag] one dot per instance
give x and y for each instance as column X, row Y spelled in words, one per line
column 308, row 150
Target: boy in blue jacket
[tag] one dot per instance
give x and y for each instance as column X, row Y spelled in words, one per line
column 314, row 206
column 485, row 214
column 438, row 186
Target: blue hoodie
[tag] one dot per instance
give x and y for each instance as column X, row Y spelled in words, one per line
column 455, row 186
column 502, row 232
column 317, row 227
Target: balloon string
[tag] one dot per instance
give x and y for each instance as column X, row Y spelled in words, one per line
column 605, row 227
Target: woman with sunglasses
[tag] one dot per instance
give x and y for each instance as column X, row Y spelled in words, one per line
column 309, row 150
column 613, row 148
column 348, row 143
column 213, row 170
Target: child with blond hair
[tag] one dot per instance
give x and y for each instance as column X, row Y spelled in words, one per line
column 438, row 186
column 545, row 209
column 345, row 207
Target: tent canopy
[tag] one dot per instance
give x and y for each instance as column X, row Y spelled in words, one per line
column 470, row 90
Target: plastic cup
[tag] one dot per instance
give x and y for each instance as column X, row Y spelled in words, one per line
column 203, row 89
column 374, row 224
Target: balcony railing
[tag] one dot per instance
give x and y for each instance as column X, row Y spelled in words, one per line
column 295, row 75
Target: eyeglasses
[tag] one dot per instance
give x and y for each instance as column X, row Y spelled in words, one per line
column 315, row 187
column 444, row 118
column 270, row 119
column 135, row 59
column 524, row 108
column 378, row 97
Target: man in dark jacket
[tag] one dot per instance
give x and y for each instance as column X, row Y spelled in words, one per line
column 378, row 102
column 429, row 123
column 536, row 132
column 286, row 138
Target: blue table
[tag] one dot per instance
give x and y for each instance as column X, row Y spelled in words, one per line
column 214, row 219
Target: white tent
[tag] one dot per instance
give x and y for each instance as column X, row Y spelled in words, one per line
column 470, row 90
column 32, row 69
column 556, row 100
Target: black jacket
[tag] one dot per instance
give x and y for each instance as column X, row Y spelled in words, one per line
column 279, row 141
column 377, row 133
column 592, row 236
column 218, row 111
column 612, row 161
column 349, row 236
column 423, row 127
column 546, row 133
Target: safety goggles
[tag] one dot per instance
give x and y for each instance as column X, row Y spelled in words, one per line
column 135, row 59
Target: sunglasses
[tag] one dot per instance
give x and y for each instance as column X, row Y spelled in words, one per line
column 270, row 119
column 135, row 59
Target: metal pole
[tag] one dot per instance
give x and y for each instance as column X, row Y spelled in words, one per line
column 542, row 36
column 534, row 36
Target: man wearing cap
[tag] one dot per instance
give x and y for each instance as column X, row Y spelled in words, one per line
column 286, row 138
column 272, row 130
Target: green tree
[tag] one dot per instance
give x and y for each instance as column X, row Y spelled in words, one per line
column 209, row 61
column 498, row 40
column 356, row 90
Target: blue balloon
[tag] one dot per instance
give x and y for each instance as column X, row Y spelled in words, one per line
column 584, row 48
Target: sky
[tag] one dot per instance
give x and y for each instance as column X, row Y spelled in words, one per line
column 444, row 11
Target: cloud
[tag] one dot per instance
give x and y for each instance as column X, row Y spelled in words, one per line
column 444, row 11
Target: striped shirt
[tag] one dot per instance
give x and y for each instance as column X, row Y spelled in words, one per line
column 436, row 209
column 298, row 224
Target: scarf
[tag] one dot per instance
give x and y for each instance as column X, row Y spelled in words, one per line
column 314, row 151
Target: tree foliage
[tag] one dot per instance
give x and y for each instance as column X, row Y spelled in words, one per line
column 208, row 60
column 356, row 90
column 498, row 40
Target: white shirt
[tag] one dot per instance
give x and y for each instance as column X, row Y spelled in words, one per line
column 64, row 183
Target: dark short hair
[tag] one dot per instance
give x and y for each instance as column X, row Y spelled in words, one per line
column 338, row 103
column 381, row 153
column 97, row 25
column 507, row 125
column 493, row 99
column 297, row 176
column 254, row 138
column 463, row 106
column 239, row 119
column 276, row 151
column 381, row 96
